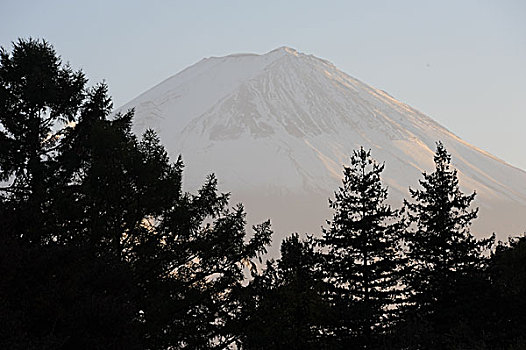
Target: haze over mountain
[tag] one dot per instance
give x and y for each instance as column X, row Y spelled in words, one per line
column 277, row 128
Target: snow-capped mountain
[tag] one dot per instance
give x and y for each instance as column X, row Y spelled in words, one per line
column 277, row 128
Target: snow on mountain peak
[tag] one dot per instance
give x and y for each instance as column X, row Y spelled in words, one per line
column 284, row 50
column 277, row 128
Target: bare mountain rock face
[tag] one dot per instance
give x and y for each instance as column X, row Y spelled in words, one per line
column 277, row 128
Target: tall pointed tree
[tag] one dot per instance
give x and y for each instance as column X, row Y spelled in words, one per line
column 362, row 259
column 100, row 247
column 440, row 247
column 57, row 295
column 38, row 97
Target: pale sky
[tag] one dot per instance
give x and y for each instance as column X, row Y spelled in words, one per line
column 463, row 63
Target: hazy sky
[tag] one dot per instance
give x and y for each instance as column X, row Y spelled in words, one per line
column 461, row 62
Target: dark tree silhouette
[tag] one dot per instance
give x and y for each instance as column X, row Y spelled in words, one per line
column 504, row 310
column 38, row 96
column 362, row 259
column 101, row 248
column 284, row 306
column 441, row 249
column 57, row 295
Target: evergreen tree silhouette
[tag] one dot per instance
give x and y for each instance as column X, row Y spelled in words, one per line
column 442, row 251
column 362, row 258
column 38, row 96
column 285, row 307
column 194, row 273
column 504, row 310
column 57, row 295
column 100, row 246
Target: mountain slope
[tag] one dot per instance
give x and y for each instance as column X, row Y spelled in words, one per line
column 277, row 128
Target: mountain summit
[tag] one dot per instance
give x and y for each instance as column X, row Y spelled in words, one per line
column 277, row 128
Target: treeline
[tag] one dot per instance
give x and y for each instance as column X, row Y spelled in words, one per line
column 101, row 248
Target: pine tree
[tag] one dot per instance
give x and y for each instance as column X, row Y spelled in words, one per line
column 441, row 249
column 362, row 260
column 194, row 272
column 187, row 252
column 100, row 246
column 38, row 97
column 285, row 305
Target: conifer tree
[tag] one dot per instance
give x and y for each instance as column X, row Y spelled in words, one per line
column 38, row 97
column 362, row 259
column 440, row 247
column 199, row 252
column 100, row 246
column 57, row 294
column 285, row 306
